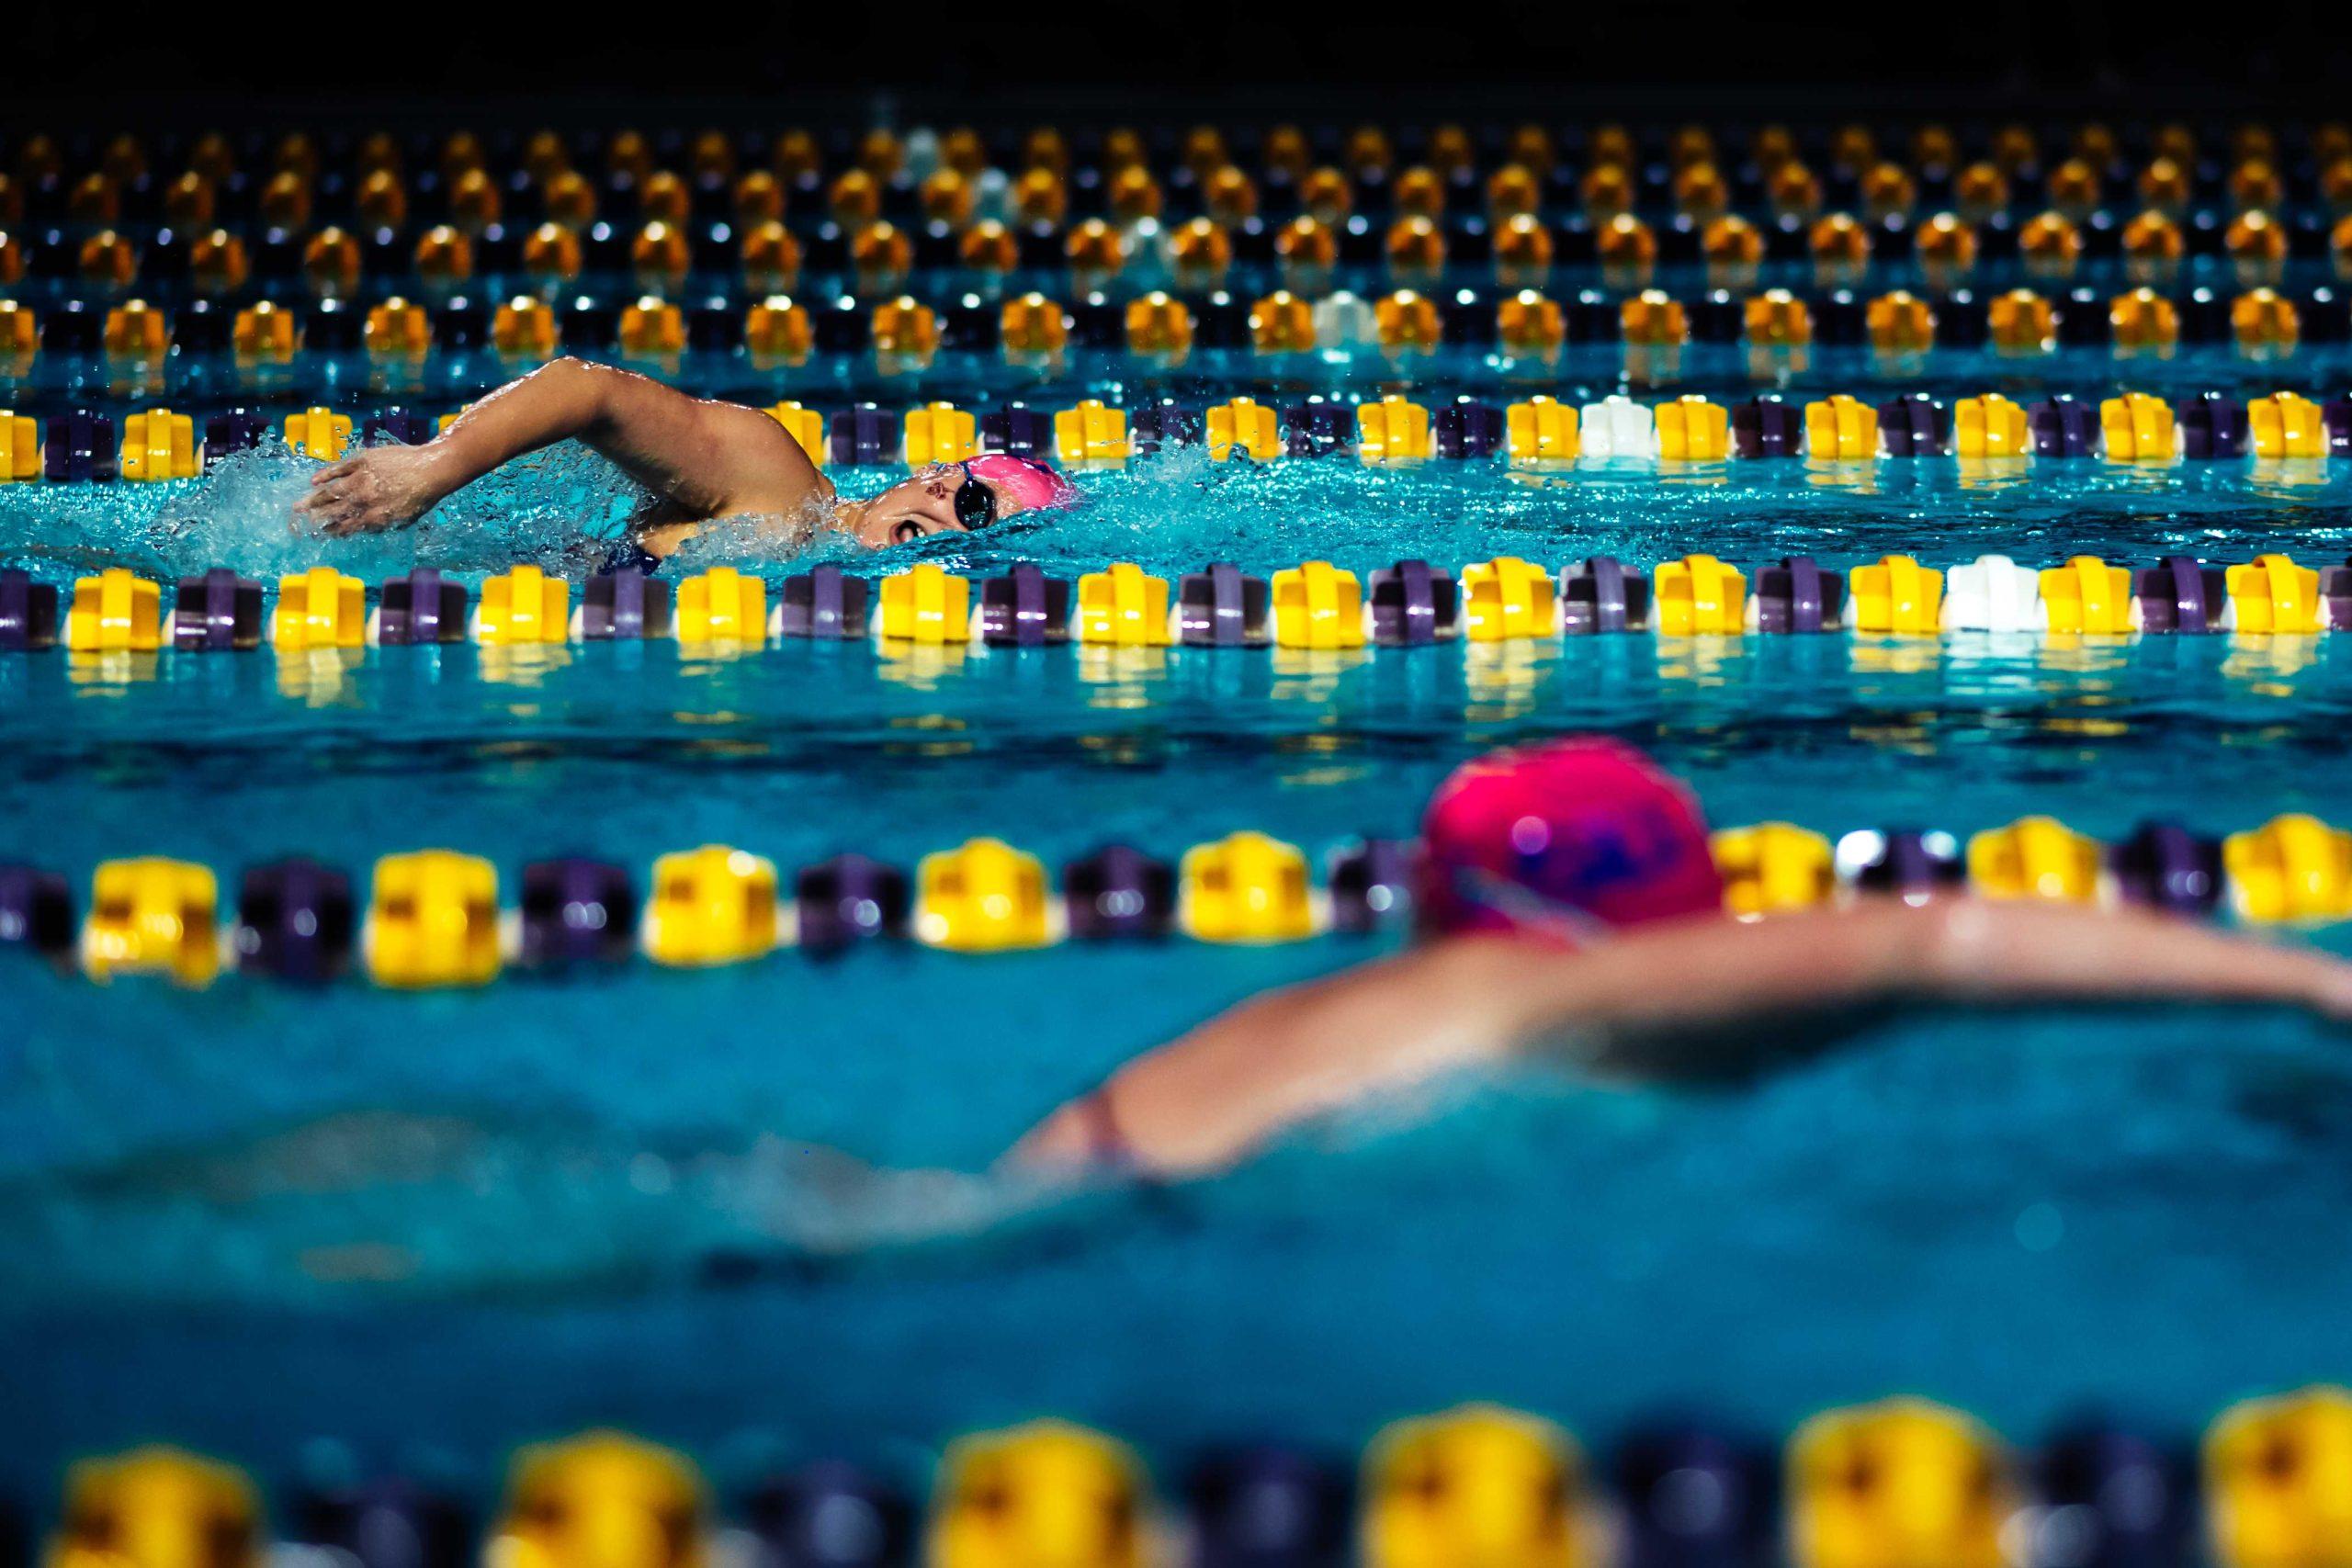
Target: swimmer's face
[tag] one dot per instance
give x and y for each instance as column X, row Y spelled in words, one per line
column 921, row 506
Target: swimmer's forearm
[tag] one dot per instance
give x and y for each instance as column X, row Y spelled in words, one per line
column 1211, row 1097
column 560, row 401
column 706, row 459
column 1986, row 951
column 703, row 459
column 1710, row 972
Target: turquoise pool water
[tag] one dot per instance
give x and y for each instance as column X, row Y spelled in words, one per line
column 430, row 1226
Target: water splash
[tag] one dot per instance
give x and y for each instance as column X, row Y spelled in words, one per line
column 468, row 1204
column 564, row 508
column 560, row 509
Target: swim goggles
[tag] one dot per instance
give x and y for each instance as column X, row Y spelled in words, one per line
column 1523, row 911
column 975, row 503
column 1031, row 484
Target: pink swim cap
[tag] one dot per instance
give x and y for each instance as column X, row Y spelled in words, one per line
column 1562, row 839
column 1032, row 485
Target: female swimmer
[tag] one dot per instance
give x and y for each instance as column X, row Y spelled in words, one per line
column 1570, row 910
column 701, row 460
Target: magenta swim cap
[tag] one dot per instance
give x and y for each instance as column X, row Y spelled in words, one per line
column 1034, row 486
column 1562, row 838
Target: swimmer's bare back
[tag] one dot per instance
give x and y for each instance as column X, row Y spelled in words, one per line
column 1680, row 1000
column 701, row 460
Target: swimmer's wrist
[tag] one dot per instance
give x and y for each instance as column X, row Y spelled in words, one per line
column 449, row 467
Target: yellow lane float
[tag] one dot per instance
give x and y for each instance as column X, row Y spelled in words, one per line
column 1245, row 888
column 940, row 433
column 432, row 921
column 1700, row 595
column 600, row 1500
column 1508, row 598
column 2275, row 1492
column 1530, row 326
column 1092, row 432
column 1777, row 319
column 159, row 445
column 1243, row 425
column 1407, row 323
column 20, row 447
column 722, row 605
column 1048, row 1494
column 2272, row 594
column 1476, row 1487
column 2143, row 321
column 2286, row 425
column 2088, row 595
column 319, row 433
column 1541, row 430
column 986, row 897
column 1774, row 866
column 714, row 904
column 115, row 612
column 137, row 333
column 153, row 915
column 1160, row 326
column 264, row 334
column 2139, row 428
column 1900, row 1485
column 2021, row 322
column 524, row 328
column 1990, row 426
column 398, row 329
column 157, row 1507
column 1692, row 430
column 319, row 608
column 2036, row 857
column 521, row 607
column 924, row 604
column 1123, row 607
column 1897, row 596
column 1317, row 606
column 1900, row 322
column 804, row 425
column 904, row 330
column 1282, row 323
column 1394, row 430
column 1653, row 318
column 2293, row 869
column 1841, row 429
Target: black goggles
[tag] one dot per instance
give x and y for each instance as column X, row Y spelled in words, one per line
column 975, row 503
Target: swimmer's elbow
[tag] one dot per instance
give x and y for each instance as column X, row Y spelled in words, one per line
column 583, row 382
column 568, row 372
column 584, row 398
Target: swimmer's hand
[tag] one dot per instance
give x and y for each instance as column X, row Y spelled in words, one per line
column 383, row 487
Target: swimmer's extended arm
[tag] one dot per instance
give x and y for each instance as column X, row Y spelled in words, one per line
column 1665, row 1001
column 1631, row 1008
column 703, row 458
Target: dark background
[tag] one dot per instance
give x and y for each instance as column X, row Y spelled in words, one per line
column 141, row 62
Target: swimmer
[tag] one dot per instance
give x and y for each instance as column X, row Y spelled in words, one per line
column 1571, row 913
column 701, row 460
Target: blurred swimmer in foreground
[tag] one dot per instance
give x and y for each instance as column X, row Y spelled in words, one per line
column 1571, row 913
column 701, row 460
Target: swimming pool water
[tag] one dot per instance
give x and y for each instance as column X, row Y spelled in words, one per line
column 431, row 1225
column 448, row 377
